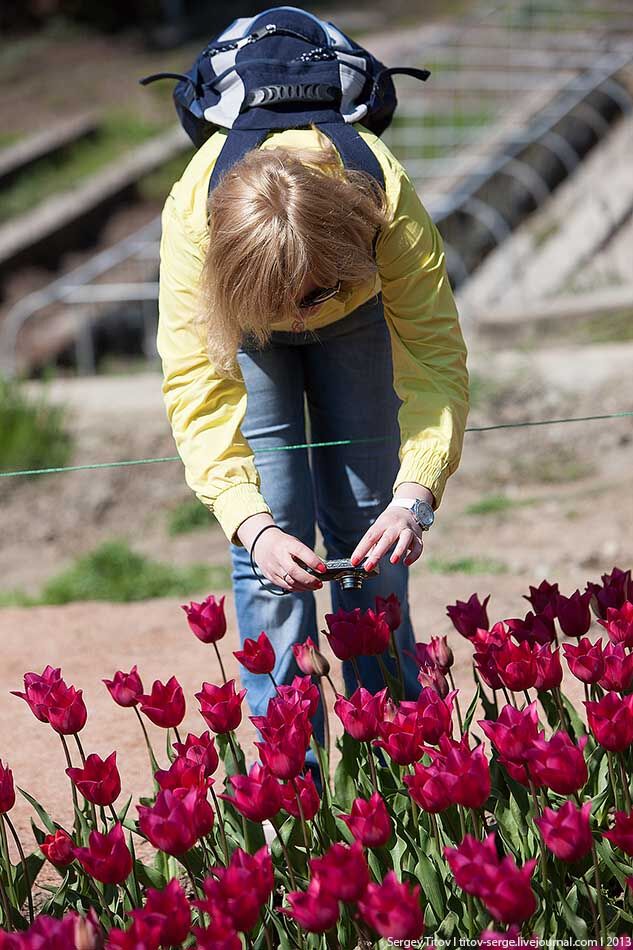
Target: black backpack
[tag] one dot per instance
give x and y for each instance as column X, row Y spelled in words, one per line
column 285, row 69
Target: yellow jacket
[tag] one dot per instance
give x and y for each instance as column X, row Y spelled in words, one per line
column 429, row 354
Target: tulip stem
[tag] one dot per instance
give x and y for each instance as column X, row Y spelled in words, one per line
column 304, row 827
column 326, row 722
column 27, row 876
column 527, row 696
column 69, row 762
column 284, row 850
column 354, row 663
column 185, row 864
column 436, row 833
column 152, row 758
column 225, row 846
column 586, row 689
column 396, row 652
column 128, row 894
column 625, row 784
column 18, row 844
column 614, row 784
column 229, row 736
column 217, row 653
column 596, row 871
column 563, row 718
column 592, row 907
column 457, row 706
column 80, row 747
column 324, row 778
column 334, row 689
column 372, row 765
column 542, row 840
column 507, row 696
column 273, row 681
column 6, row 911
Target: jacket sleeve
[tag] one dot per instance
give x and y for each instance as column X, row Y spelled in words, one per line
column 429, row 353
column 205, row 409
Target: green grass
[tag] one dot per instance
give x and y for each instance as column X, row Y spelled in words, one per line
column 118, row 133
column 34, row 434
column 496, row 504
column 113, row 572
column 466, row 119
column 466, row 565
column 189, row 516
column 555, row 466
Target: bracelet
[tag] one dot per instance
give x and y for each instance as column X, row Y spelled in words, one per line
column 269, row 587
column 259, row 534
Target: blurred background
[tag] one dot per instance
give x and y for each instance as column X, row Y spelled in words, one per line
column 519, row 145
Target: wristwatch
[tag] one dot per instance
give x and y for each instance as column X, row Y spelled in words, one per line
column 421, row 510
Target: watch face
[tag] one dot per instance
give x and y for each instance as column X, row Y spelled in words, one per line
column 423, row 513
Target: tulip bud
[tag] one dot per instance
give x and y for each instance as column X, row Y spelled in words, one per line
column 88, row 934
column 309, row 659
column 433, row 678
column 441, row 653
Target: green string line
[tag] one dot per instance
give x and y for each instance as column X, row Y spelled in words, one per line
column 307, row 445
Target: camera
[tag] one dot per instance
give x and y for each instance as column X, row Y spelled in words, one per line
column 342, row 570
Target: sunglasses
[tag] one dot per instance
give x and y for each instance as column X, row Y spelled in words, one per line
column 318, row 296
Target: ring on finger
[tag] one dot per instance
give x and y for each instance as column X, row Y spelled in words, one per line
column 288, row 577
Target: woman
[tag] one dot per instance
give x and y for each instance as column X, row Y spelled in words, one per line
column 303, row 291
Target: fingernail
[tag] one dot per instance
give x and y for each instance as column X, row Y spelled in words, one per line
column 395, row 559
column 368, row 565
column 319, row 585
column 322, row 568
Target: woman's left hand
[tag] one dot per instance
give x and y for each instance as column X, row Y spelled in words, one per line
column 395, row 526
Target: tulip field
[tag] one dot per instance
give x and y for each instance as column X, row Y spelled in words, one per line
column 507, row 823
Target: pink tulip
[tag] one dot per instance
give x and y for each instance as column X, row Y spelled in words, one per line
column 107, row 857
column 207, row 620
column 125, row 688
column 393, row 909
column 257, row 656
column 165, row 705
column 470, row 616
column 369, row 821
column 362, row 713
column 567, row 832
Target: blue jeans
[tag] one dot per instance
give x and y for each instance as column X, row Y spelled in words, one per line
column 341, row 377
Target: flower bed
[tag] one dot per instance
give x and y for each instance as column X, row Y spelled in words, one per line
column 507, row 823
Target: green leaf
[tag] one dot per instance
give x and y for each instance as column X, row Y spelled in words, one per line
column 122, row 814
column 491, row 710
column 396, row 852
column 41, row 811
column 472, row 709
column 576, row 924
column 34, row 864
column 346, row 771
column 576, row 722
column 427, row 875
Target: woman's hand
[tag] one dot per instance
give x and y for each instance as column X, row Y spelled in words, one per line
column 395, row 526
column 276, row 554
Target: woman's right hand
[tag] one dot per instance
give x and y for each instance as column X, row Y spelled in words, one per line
column 276, row 554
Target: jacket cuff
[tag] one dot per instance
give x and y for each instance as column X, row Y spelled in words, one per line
column 432, row 474
column 234, row 505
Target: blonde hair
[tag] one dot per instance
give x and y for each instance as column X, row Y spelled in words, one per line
column 276, row 219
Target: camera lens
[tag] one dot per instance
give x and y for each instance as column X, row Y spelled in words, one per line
column 351, row 581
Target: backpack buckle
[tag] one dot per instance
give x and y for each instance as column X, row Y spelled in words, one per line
column 267, row 30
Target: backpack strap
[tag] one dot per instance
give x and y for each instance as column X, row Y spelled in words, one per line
column 354, row 151
column 237, row 144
